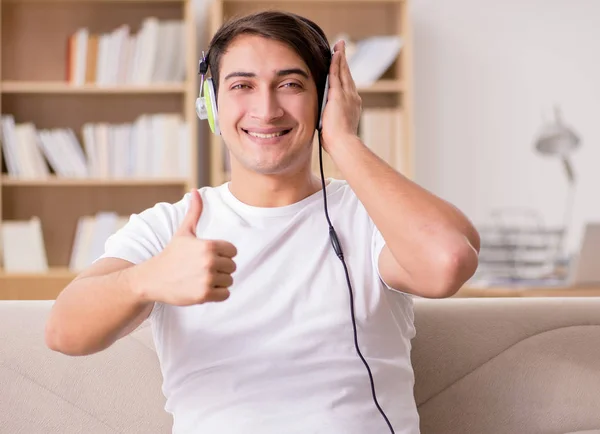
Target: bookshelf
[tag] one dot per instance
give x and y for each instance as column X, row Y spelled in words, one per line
column 36, row 86
column 358, row 19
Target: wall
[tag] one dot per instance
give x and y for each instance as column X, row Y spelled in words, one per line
column 484, row 72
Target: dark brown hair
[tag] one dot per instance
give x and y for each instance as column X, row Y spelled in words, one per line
column 301, row 34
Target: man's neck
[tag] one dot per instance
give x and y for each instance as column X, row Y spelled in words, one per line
column 269, row 191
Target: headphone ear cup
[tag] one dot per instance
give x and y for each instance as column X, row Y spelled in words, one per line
column 211, row 106
column 325, row 92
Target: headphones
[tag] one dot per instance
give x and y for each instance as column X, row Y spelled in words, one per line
column 206, row 103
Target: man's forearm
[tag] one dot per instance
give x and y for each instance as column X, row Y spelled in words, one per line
column 92, row 312
column 418, row 227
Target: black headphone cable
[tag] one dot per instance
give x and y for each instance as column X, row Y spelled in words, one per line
column 338, row 251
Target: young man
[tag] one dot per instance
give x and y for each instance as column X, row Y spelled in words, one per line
column 249, row 304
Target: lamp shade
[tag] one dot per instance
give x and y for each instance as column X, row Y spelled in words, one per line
column 556, row 139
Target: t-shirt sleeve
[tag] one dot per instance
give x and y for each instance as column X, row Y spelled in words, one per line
column 377, row 245
column 145, row 234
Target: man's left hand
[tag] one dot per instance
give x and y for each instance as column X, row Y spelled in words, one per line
column 343, row 107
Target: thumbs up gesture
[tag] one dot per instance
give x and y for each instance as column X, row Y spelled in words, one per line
column 189, row 270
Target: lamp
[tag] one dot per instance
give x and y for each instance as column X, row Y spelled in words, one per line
column 558, row 140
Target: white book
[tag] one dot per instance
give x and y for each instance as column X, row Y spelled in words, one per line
column 9, row 145
column 122, row 54
column 25, row 160
column 144, row 147
column 130, row 59
column 148, row 55
column 76, row 153
column 105, row 226
column 89, row 146
column 103, row 52
column 184, row 167
column 170, row 150
column 164, row 52
column 23, row 246
column 179, row 74
column 372, row 57
column 101, row 140
column 53, row 149
column 31, row 159
column 81, row 47
column 80, row 252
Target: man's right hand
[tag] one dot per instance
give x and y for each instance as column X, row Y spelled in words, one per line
column 189, row 270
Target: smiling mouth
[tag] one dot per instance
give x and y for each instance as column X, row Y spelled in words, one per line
column 267, row 136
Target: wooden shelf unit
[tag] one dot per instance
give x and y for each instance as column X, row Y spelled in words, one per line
column 528, row 291
column 61, row 87
column 33, row 88
column 358, row 19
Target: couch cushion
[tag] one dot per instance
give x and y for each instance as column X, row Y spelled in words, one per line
column 114, row 391
column 507, row 365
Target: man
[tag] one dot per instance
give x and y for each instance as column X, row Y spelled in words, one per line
column 248, row 302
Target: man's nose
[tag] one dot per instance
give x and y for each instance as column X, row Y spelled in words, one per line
column 267, row 106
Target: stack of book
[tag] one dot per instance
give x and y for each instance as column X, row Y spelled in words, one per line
column 154, row 146
column 156, row 54
column 23, row 250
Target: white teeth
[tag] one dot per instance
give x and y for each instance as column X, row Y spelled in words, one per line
column 265, row 136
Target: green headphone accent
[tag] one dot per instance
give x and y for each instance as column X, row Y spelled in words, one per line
column 206, row 103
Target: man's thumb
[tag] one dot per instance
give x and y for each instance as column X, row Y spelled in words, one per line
column 190, row 221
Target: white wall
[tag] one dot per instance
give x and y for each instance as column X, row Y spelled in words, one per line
column 484, row 71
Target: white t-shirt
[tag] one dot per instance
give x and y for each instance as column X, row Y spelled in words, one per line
column 278, row 356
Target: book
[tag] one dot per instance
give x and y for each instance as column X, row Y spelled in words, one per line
column 370, row 58
column 23, row 249
column 91, row 234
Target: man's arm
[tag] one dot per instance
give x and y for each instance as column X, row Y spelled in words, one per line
column 114, row 296
column 98, row 307
column 431, row 247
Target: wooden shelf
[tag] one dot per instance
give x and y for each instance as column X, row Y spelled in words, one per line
column 34, row 286
column 58, row 87
column 53, row 273
column 534, row 291
column 94, row 1
column 54, row 181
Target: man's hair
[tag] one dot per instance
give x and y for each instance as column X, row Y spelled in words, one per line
column 301, row 34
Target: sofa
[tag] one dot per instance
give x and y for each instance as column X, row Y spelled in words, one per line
column 482, row 366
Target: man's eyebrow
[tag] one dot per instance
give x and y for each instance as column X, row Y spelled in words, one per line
column 280, row 73
column 240, row 74
column 291, row 71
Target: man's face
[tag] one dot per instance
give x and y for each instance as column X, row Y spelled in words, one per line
column 267, row 103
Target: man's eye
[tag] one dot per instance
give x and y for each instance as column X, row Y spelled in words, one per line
column 240, row 86
column 291, row 85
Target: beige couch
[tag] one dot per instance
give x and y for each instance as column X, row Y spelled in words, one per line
column 485, row 366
